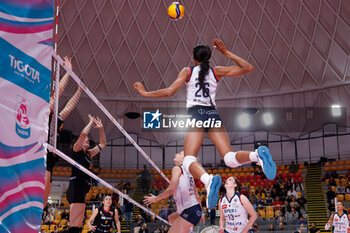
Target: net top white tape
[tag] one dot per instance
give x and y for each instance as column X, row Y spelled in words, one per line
column 101, row 181
column 105, row 111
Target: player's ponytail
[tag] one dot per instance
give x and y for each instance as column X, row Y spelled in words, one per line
column 202, row 54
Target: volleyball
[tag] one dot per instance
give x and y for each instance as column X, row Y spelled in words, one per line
column 176, row 10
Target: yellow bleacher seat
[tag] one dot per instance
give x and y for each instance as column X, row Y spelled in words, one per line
column 86, row 228
column 245, row 169
column 239, row 170
column 52, row 227
column 56, row 221
column 227, row 170
column 64, row 222
column 45, row 227
column 252, row 189
column 262, row 213
column 96, row 170
column 85, row 231
column 55, row 173
column 337, row 181
column 340, row 162
column 340, row 197
column 269, row 214
column 269, row 208
column 343, row 182
column 347, row 197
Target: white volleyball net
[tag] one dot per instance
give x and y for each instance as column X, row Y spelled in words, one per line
column 70, row 106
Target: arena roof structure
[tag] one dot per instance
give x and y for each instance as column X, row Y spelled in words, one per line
column 300, row 51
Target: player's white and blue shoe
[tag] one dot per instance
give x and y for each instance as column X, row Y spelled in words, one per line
column 265, row 161
column 213, row 191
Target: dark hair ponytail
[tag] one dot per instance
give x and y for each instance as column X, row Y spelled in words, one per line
column 202, row 54
column 202, row 73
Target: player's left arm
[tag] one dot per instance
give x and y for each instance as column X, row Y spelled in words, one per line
column 165, row 92
column 117, row 222
column 175, row 177
column 222, row 219
column 102, row 144
column 250, row 209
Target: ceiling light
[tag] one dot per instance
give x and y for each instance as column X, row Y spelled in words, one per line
column 267, row 118
column 244, row 120
column 336, row 110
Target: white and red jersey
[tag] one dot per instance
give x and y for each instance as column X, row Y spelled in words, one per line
column 184, row 195
column 236, row 216
column 194, row 94
column 340, row 223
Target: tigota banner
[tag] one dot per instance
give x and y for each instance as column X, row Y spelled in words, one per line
column 25, row 76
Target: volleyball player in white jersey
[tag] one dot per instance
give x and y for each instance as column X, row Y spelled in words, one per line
column 201, row 82
column 234, row 209
column 339, row 220
column 182, row 187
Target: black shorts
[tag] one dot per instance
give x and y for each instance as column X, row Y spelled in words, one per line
column 77, row 190
column 51, row 158
column 193, row 214
column 205, row 114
